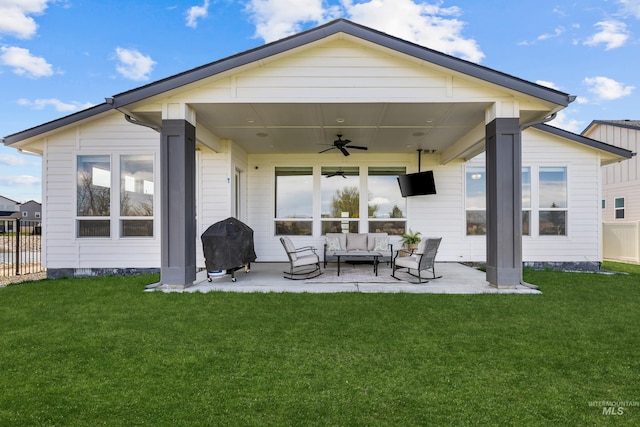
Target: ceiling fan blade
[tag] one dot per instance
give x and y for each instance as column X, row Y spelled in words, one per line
column 345, row 152
column 358, row 147
column 330, row 148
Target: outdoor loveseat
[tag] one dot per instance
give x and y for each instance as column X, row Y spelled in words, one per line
column 357, row 242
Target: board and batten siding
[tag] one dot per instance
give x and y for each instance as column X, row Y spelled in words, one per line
column 108, row 134
column 621, row 179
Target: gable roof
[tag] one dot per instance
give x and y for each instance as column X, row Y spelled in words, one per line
column 297, row 40
column 629, row 124
column 598, row 145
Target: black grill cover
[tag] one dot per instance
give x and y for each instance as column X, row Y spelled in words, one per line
column 227, row 244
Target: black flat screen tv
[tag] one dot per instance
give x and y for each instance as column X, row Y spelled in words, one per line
column 417, row 184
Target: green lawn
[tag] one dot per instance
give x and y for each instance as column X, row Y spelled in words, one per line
column 89, row 352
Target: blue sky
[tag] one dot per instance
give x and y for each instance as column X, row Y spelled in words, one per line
column 60, row 56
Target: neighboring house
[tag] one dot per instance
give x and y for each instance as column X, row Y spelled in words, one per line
column 132, row 183
column 8, row 209
column 620, row 181
column 620, row 190
column 31, row 210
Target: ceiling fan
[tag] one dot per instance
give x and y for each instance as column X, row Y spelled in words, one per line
column 337, row 173
column 340, row 145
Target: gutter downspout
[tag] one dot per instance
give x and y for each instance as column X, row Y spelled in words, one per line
column 130, row 119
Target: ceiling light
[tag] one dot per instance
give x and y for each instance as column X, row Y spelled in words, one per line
column 418, row 134
column 262, row 134
column 340, row 120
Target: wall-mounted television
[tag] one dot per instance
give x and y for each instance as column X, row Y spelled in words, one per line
column 417, row 184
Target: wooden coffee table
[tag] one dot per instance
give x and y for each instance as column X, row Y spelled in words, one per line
column 360, row 254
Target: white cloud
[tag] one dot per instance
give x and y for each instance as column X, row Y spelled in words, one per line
column 10, row 160
column 276, row 19
column 63, row 107
column 563, row 121
column 556, row 33
column 133, row 65
column 426, row 24
column 606, row 88
column 15, row 20
column 13, row 180
column 547, row 84
column 630, row 7
column 24, row 63
column 196, row 12
column 612, row 34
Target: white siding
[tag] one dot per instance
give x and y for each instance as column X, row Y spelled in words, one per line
column 342, row 71
column 582, row 242
column 441, row 215
column 110, row 135
column 216, row 194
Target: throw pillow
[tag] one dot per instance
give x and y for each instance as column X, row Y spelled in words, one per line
column 333, row 244
column 381, row 244
column 356, row 242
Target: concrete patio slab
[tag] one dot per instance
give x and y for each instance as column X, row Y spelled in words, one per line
column 267, row 277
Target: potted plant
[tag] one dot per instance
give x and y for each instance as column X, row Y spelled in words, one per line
column 410, row 240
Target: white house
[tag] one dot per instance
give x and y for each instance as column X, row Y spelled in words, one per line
column 8, row 209
column 620, row 181
column 129, row 185
column 620, row 190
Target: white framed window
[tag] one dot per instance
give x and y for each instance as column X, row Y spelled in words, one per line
column 37, row 214
column 331, row 199
column 136, row 195
column 293, row 200
column 115, row 195
column 552, row 201
column 476, row 196
column 340, row 199
column 619, row 207
column 93, row 196
column 386, row 208
column 476, row 200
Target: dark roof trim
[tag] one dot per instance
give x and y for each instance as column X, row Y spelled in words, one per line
column 586, row 141
column 356, row 30
column 627, row 124
column 55, row 124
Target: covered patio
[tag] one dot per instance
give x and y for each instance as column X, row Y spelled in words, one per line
column 267, row 277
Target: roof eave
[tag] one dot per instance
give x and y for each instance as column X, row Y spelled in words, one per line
column 56, row 124
column 599, row 145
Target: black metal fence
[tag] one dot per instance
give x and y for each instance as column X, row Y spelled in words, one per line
column 20, row 247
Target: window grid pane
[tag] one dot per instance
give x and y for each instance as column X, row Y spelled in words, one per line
column 136, row 185
column 94, row 186
column 294, row 192
column 384, row 198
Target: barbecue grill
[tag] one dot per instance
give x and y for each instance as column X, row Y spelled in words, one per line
column 227, row 246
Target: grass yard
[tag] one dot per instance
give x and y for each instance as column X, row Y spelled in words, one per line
column 90, row 352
